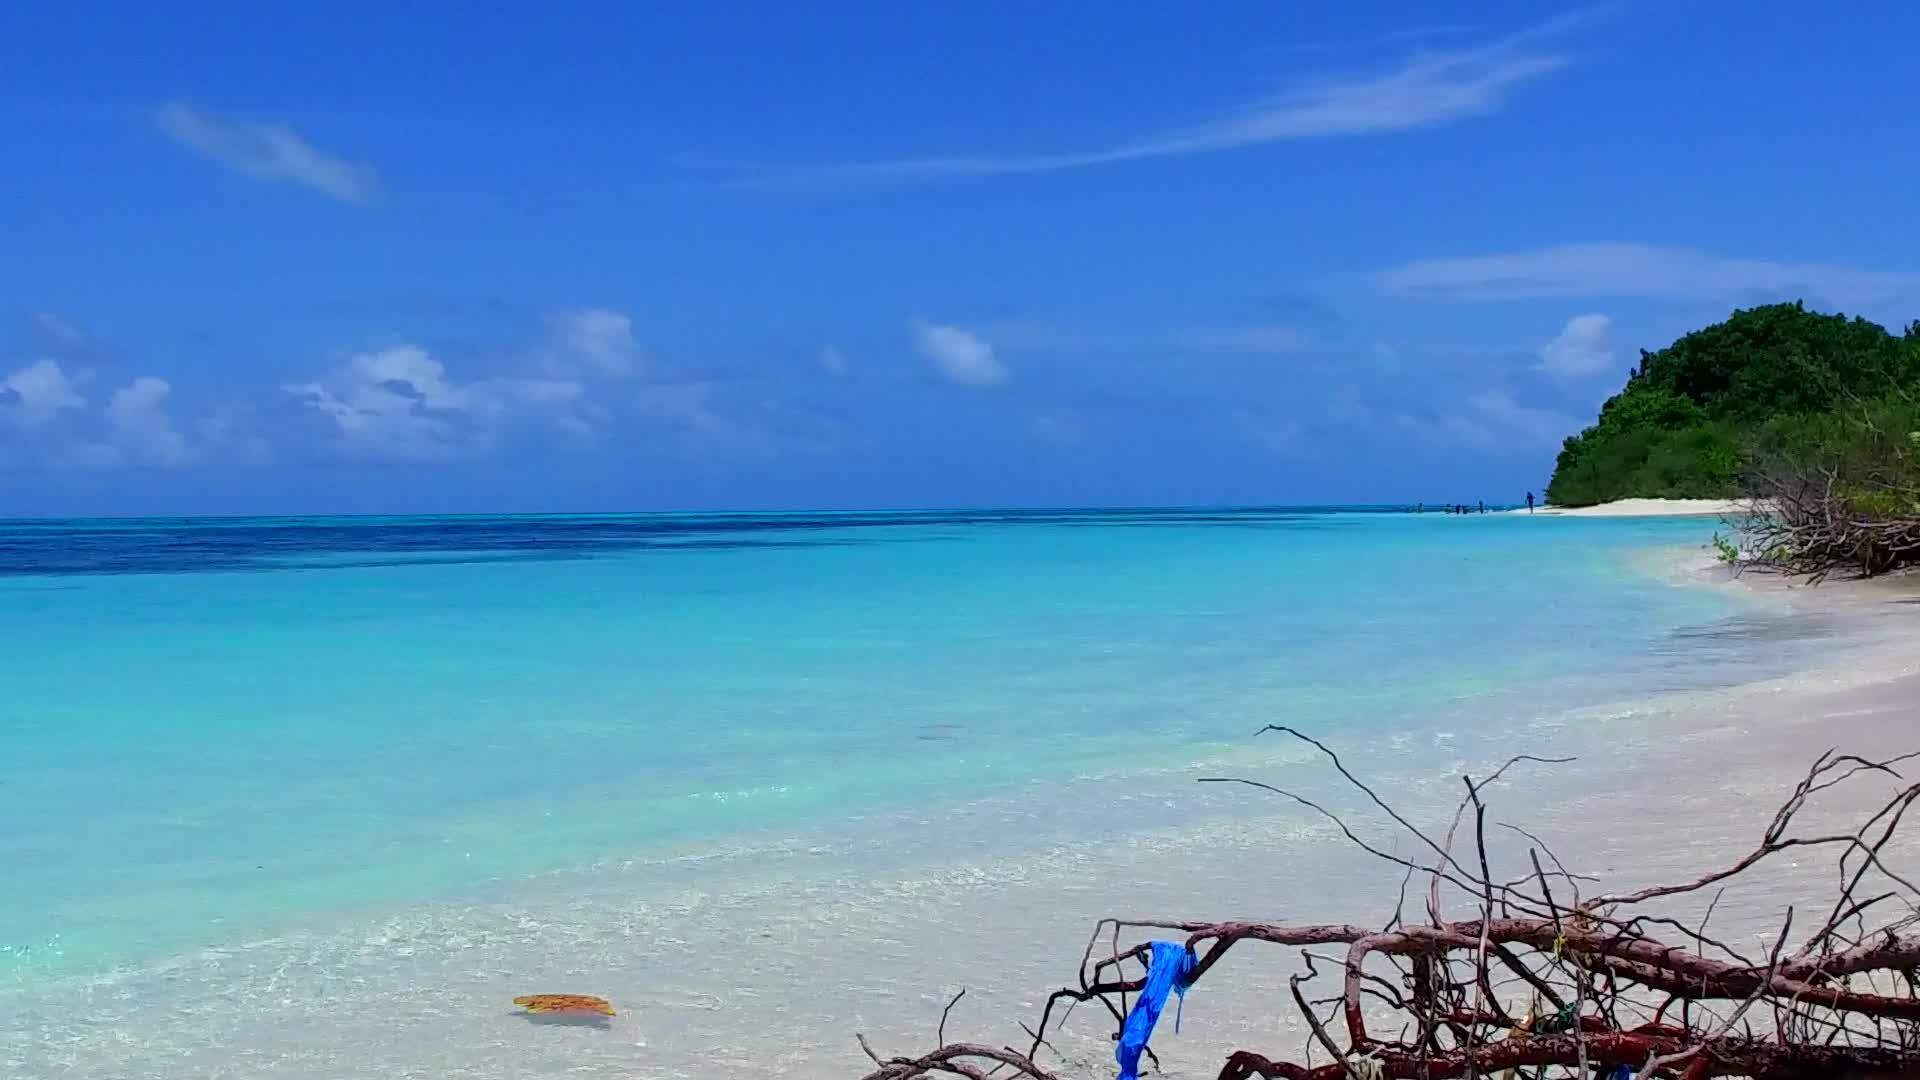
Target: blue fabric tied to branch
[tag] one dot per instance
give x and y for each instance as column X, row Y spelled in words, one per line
column 1169, row 971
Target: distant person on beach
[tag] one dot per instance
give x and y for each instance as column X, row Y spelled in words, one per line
column 1529, row 502
column 1483, row 506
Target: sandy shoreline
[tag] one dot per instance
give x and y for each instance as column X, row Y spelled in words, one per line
column 775, row 974
column 1647, row 508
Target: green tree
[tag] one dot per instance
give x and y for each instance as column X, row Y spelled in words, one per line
column 1777, row 359
column 1686, row 422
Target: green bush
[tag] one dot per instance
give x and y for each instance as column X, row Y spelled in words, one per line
column 1869, row 451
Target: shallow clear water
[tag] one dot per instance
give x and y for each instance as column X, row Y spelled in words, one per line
column 216, row 731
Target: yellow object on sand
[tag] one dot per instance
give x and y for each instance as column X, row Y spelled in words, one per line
column 564, row 1003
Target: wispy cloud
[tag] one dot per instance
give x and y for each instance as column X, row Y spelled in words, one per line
column 59, row 329
column 62, row 339
column 228, row 436
column 1272, row 434
column 1583, row 347
column 960, row 355
column 593, row 341
column 703, row 420
column 1058, row 427
column 1639, row 270
column 1509, row 421
column 1271, row 339
column 266, row 151
column 1426, row 33
column 1488, row 421
column 1428, row 88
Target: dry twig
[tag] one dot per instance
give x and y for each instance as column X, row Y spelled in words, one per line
column 1558, row 986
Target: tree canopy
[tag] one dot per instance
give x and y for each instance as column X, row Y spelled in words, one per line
column 1688, row 420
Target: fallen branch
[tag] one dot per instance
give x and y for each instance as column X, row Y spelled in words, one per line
column 1555, row 984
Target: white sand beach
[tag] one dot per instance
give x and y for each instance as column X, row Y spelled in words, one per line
column 1648, row 508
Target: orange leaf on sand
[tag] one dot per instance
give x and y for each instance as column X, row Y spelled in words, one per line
column 564, row 1003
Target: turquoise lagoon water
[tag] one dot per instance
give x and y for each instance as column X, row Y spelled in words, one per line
column 215, row 731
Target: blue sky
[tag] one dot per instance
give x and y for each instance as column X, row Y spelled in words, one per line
column 375, row 258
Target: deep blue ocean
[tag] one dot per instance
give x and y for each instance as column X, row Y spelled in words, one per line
column 213, row 731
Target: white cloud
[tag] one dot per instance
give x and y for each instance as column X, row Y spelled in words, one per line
column 266, row 151
column 1252, row 339
column 1639, row 270
column 1428, row 88
column 594, row 341
column 381, row 425
column 60, row 328
column 138, row 428
column 138, row 423
column 37, row 394
column 833, row 361
column 399, row 403
column 402, row 403
column 411, row 368
column 961, row 355
column 1584, row 347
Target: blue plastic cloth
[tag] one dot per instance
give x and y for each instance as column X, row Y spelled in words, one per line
column 1169, row 970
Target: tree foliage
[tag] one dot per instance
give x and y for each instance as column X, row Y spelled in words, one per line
column 1693, row 415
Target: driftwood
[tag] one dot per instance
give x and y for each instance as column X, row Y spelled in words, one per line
column 1848, row 506
column 1542, row 982
column 1812, row 525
